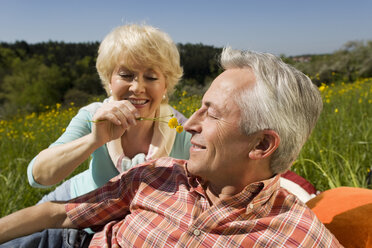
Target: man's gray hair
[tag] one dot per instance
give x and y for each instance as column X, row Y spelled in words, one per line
column 283, row 99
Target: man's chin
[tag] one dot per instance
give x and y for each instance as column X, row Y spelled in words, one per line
column 194, row 168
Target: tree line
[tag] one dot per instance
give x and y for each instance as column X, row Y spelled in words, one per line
column 35, row 75
column 352, row 61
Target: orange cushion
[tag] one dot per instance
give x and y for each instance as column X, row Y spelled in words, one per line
column 347, row 213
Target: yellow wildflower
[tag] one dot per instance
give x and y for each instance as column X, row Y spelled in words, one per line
column 173, row 123
column 179, row 129
column 322, row 87
column 336, row 110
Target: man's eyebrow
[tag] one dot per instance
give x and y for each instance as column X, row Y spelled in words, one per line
column 213, row 106
column 206, row 103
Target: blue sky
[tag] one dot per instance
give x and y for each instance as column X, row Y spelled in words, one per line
column 290, row 27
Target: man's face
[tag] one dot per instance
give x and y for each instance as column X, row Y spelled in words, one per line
column 219, row 149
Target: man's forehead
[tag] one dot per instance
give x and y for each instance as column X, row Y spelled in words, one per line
column 230, row 81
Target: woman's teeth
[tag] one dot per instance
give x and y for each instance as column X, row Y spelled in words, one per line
column 137, row 102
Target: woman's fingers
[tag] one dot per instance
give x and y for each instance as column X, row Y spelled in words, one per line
column 121, row 115
column 126, row 112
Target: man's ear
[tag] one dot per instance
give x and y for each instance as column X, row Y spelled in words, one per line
column 268, row 142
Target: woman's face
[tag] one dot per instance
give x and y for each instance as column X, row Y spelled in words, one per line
column 143, row 87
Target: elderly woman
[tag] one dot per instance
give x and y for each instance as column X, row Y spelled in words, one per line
column 139, row 66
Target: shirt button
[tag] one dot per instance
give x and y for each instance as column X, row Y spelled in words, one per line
column 196, row 232
column 251, row 205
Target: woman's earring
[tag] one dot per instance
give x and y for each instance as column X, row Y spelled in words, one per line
column 164, row 97
column 110, row 92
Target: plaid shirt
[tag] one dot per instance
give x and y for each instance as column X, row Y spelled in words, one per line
column 157, row 204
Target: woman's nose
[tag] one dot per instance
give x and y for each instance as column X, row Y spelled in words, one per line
column 137, row 85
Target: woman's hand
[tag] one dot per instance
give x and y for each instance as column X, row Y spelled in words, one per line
column 112, row 119
column 55, row 163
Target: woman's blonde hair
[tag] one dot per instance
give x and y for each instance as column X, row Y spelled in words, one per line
column 139, row 45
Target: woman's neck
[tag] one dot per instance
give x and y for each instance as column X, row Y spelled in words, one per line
column 137, row 139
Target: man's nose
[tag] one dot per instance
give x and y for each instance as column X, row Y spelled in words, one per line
column 192, row 125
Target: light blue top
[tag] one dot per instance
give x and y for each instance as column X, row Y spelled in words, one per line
column 101, row 168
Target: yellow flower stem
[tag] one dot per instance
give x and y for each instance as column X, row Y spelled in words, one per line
column 143, row 119
column 150, row 119
column 153, row 119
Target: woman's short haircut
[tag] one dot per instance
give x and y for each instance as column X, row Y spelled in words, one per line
column 283, row 99
column 139, row 45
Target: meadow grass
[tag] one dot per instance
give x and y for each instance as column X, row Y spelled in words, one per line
column 337, row 153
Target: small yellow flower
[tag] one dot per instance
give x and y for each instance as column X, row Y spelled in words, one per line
column 322, row 88
column 179, row 129
column 336, row 110
column 173, row 123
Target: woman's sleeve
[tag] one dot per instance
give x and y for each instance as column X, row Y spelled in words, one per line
column 78, row 127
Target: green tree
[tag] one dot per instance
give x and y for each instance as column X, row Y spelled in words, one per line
column 199, row 61
column 32, row 85
column 7, row 55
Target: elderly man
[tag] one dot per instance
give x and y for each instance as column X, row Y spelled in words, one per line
column 254, row 119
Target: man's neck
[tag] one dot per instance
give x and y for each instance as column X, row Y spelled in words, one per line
column 215, row 195
column 227, row 189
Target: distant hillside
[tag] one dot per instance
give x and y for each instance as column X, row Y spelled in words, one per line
column 33, row 75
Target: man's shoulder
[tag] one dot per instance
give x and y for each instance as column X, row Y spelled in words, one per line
column 286, row 206
column 290, row 202
column 294, row 215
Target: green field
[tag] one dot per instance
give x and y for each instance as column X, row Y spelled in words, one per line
column 337, row 154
